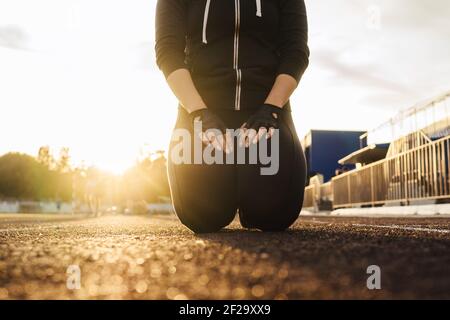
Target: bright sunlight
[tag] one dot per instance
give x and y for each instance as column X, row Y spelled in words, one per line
column 82, row 74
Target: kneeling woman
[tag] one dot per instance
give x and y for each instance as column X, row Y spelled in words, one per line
column 234, row 65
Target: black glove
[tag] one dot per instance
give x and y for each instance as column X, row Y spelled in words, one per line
column 209, row 120
column 266, row 117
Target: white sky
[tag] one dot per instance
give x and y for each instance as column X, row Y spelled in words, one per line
column 81, row 73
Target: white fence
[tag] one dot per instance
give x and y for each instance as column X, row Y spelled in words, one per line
column 35, row 207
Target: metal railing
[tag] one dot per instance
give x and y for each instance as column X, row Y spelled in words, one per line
column 419, row 173
column 411, row 141
column 309, row 199
column 326, row 192
column 317, row 196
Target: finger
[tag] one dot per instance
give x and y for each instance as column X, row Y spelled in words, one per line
column 242, row 136
column 261, row 133
column 216, row 139
column 216, row 145
column 250, row 123
column 208, row 138
column 213, row 139
column 271, row 132
column 229, row 142
column 221, row 142
column 251, row 135
column 204, row 138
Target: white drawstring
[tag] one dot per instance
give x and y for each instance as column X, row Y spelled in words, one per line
column 205, row 20
column 258, row 8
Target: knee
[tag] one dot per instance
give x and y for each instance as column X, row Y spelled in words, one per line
column 204, row 226
column 277, row 226
column 275, row 221
column 273, row 225
column 206, row 222
column 201, row 229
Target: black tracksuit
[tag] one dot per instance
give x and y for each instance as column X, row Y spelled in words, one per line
column 234, row 50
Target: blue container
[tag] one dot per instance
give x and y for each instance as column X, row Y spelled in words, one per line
column 323, row 149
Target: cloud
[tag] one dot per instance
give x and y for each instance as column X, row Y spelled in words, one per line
column 355, row 75
column 13, row 37
column 401, row 61
column 417, row 15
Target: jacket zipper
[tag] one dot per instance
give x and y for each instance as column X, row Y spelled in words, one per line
column 237, row 13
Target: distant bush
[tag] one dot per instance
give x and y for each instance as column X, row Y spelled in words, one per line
column 44, row 178
column 24, row 177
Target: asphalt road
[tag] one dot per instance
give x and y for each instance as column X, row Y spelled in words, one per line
column 132, row 257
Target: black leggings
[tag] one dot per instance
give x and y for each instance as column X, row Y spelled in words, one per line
column 206, row 197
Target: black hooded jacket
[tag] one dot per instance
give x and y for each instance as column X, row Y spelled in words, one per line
column 234, row 49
